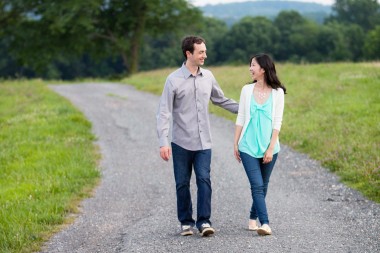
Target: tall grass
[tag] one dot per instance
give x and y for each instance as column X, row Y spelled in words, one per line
column 47, row 163
column 332, row 113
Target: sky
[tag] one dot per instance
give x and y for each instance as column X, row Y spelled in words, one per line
column 204, row 2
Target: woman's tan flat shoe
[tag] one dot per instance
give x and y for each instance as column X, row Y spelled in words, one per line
column 264, row 230
column 252, row 225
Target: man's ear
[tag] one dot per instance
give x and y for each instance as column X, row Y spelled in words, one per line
column 188, row 54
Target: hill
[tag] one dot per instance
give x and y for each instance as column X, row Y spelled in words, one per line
column 233, row 12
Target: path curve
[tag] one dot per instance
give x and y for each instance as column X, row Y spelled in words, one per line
column 133, row 209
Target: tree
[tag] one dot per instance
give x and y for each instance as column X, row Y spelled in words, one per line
column 161, row 51
column 123, row 24
column 354, row 36
column 298, row 37
column 249, row 36
column 54, row 30
column 372, row 44
column 365, row 13
column 49, row 31
column 164, row 50
column 304, row 42
column 288, row 23
column 213, row 31
column 332, row 44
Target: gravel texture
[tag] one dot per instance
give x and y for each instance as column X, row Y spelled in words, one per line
column 134, row 210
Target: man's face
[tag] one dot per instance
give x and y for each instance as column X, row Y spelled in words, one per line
column 198, row 57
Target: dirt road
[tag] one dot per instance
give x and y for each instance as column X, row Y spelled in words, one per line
column 133, row 209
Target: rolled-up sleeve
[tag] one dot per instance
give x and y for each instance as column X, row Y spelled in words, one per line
column 164, row 114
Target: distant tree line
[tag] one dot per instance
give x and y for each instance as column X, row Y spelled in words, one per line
column 56, row 39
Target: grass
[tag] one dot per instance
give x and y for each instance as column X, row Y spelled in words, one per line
column 332, row 113
column 47, row 163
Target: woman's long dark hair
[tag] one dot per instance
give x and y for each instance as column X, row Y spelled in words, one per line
column 270, row 75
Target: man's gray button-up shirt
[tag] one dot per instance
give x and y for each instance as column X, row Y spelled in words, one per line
column 185, row 100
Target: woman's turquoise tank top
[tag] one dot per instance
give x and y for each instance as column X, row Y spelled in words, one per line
column 258, row 134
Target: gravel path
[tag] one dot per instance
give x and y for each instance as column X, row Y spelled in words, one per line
column 133, row 209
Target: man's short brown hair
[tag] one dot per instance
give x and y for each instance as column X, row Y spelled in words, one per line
column 188, row 43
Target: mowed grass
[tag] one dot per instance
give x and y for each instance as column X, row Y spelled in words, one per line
column 48, row 162
column 332, row 113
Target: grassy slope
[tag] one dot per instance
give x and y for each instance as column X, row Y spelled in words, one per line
column 332, row 113
column 47, row 162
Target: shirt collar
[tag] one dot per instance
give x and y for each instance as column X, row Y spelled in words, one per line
column 186, row 72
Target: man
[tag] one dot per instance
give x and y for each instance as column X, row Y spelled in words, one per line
column 185, row 99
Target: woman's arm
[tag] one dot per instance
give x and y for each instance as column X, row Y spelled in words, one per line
column 279, row 110
column 240, row 119
column 268, row 156
column 238, row 130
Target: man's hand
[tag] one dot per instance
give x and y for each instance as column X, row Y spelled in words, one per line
column 165, row 153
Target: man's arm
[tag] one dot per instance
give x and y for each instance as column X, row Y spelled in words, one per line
column 218, row 98
column 163, row 116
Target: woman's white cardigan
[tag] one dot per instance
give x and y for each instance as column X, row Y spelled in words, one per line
column 244, row 114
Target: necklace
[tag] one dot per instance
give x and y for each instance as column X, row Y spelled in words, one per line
column 261, row 95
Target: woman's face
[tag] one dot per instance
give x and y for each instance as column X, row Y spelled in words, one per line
column 257, row 72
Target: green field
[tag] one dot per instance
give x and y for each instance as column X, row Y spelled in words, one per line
column 47, row 163
column 332, row 113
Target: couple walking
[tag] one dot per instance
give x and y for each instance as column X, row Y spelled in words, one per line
column 185, row 100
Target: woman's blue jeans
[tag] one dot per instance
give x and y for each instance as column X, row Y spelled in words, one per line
column 183, row 161
column 258, row 176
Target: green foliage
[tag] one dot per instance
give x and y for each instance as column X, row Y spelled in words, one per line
column 69, row 39
column 331, row 42
column 47, row 161
column 365, row 13
column 213, row 31
column 372, row 44
column 287, row 22
column 164, row 50
column 251, row 32
column 161, row 51
column 305, row 42
column 331, row 113
column 47, row 33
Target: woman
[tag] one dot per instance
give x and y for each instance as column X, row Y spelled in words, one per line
column 256, row 141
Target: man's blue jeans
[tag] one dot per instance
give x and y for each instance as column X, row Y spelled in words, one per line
column 184, row 160
column 258, row 176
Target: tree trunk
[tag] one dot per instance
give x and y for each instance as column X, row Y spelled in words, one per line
column 125, row 60
column 135, row 55
column 137, row 38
